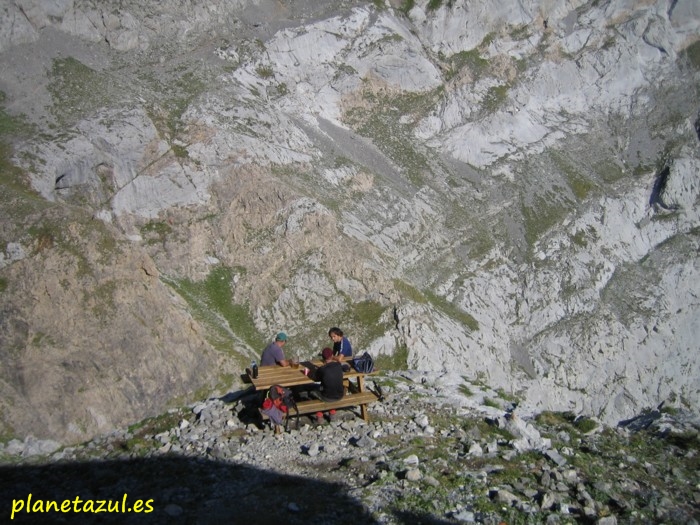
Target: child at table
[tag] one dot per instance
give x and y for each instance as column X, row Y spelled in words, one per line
column 342, row 349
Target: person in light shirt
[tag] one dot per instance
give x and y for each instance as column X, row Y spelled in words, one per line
column 274, row 354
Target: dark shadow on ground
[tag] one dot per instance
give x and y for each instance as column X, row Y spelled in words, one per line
column 419, row 519
column 183, row 491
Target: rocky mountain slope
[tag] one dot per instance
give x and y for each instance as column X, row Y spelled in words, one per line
column 505, row 191
column 428, row 455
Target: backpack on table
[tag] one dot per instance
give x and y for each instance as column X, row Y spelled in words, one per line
column 364, row 363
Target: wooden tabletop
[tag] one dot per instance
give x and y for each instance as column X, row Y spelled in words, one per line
column 288, row 376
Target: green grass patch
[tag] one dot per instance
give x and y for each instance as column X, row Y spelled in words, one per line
column 520, row 32
column 79, row 91
column 506, row 396
column 495, row 97
column 155, row 231
column 488, row 431
column 434, row 4
column 580, row 185
column 582, row 237
column 412, row 294
column 692, row 54
column 12, row 126
column 545, row 212
column 453, row 311
column 490, row 402
column 566, row 421
column 265, row 71
column 361, row 322
column 180, row 151
column 382, row 122
column 142, row 432
column 406, row 6
column 471, row 60
column 170, row 102
column 211, row 304
column 396, row 361
column 585, row 424
column 409, row 292
column 608, row 171
column 17, row 199
column 102, row 297
column 45, row 236
column 464, row 389
column 16, row 193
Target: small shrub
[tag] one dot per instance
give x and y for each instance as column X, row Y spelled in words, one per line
column 265, row 71
column 490, row 402
column 407, row 6
column 506, row 396
column 470, row 59
column 585, row 425
column 180, row 151
column 550, row 419
column 464, row 389
column 155, row 231
column 495, row 97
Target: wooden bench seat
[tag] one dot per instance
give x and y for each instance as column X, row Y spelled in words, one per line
column 311, row 406
column 349, row 400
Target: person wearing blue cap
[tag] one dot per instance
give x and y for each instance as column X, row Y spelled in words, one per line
column 273, row 354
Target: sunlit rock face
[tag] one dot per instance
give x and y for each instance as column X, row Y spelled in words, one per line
column 506, row 194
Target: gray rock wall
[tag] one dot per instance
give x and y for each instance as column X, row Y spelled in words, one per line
column 513, row 190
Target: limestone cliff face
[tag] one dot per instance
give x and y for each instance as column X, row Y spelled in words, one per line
column 507, row 193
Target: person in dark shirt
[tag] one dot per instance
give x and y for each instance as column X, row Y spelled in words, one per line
column 330, row 375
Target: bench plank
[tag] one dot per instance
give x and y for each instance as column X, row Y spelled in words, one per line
column 312, row 406
column 349, row 400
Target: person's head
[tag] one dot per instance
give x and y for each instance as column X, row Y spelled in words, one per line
column 327, row 354
column 281, row 338
column 336, row 334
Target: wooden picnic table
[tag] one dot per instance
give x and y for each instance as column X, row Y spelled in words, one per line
column 288, row 377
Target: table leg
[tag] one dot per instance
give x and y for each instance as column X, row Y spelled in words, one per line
column 361, row 388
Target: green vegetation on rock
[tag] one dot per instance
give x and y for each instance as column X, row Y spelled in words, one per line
column 692, row 54
column 383, row 120
column 211, row 304
column 411, row 293
column 78, row 90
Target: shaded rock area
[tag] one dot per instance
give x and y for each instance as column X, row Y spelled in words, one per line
column 426, row 456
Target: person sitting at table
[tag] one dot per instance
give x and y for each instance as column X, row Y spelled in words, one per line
column 330, row 376
column 342, row 349
column 273, row 354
